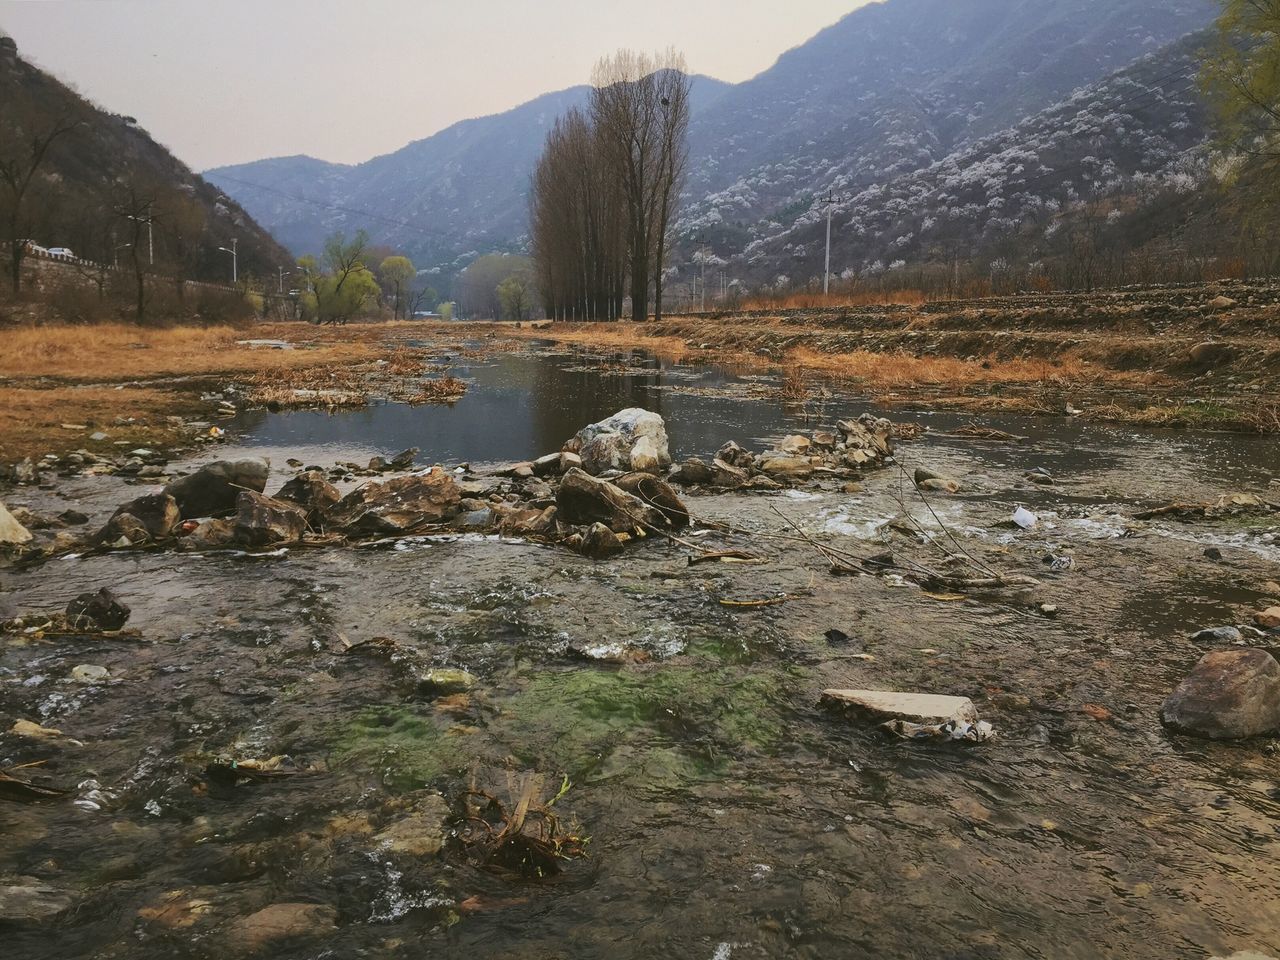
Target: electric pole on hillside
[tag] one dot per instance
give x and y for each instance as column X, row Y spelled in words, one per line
column 149, row 220
column 826, row 274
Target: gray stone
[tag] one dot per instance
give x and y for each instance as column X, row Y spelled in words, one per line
column 401, row 505
column 584, row 499
column 158, row 512
column 28, row 900
column 600, row 543
column 263, row 521
column 1231, row 694
column 1217, row 635
column 214, row 487
column 782, row 467
column 632, row 439
column 442, row 681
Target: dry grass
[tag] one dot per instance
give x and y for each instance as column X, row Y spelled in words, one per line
column 31, row 420
column 115, row 351
column 446, row 389
column 906, row 370
column 814, row 301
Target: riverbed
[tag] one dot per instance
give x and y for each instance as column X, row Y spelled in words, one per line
column 729, row 816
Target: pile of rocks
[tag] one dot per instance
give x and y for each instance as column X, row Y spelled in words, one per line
column 601, row 491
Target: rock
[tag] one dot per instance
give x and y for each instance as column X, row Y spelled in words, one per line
column 158, row 512
column 210, row 535
column 936, row 483
column 656, row 493
column 600, row 543
column 727, row 476
column 73, row 518
column 401, row 505
column 404, row 459
column 1221, row 303
column 89, row 673
column 26, row 473
column 28, row 900
column 782, row 467
column 1217, row 635
column 735, row 456
column 550, row 465
column 442, row 681
column 378, row 465
column 526, row 523
column 281, row 921
column 619, row 441
column 214, row 487
column 1211, row 354
column 795, row 445
column 1229, row 695
column 584, row 499
column 263, row 521
column 915, row 707
column 12, row 533
column 872, row 435
column 121, row 531
column 1212, row 553
column 420, row 830
column 692, row 473
column 313, row 493
column 474, row 521
column 102, row 610
column 824, row 440
column 1268, row 619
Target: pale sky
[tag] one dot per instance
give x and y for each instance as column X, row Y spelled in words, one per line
column 227, row 81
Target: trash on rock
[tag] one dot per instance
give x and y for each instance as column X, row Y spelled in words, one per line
column 953, row 729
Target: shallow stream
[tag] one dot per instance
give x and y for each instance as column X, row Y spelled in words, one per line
column 728, row 815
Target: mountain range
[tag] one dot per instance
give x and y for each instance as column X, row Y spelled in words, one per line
column 892, row 103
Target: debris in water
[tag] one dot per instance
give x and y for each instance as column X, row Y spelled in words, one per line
column 1024, row 518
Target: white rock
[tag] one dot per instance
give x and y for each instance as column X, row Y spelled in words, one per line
column 11, row 531
column 889, row 705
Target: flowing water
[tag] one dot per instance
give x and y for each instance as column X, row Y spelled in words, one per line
column 728, row 815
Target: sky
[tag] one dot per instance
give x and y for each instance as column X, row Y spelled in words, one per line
column 228, row 81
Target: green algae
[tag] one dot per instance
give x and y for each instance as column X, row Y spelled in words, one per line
column 405, row 747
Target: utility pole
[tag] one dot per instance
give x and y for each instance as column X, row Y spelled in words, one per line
column 235, row 263
column 151, row 245
column 281, row 287
column 826, row 275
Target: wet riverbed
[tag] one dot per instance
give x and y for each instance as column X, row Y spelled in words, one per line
column 729, row 816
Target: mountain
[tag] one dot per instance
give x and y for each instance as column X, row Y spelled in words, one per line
column 893, row 88
column 1115, row 145
column 90, row 170
column 444, row 199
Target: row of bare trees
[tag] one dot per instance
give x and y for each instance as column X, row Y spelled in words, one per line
column 606, row 187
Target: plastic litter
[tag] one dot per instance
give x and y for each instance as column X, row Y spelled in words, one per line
column 978, row 731
column 1025, row 518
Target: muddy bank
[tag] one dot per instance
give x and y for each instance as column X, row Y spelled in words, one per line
column 717, row 794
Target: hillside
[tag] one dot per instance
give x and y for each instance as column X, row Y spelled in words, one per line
column 108, row 162
column 893, row 88
column 1122, row 143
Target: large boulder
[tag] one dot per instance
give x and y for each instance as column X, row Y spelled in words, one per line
column 158, row 512
column 399, row 506
column 600, row 543
column 12, row 533
column 263, row 521
column 584, row 499
column 632, row 439
column 781, row 466
column 1229, row 695
column 214, row 487
column 313, row 493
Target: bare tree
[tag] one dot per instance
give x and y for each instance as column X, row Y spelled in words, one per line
column 639, row 105
column 26, row 139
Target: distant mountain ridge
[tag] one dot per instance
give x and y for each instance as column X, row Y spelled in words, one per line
column 893, row 88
